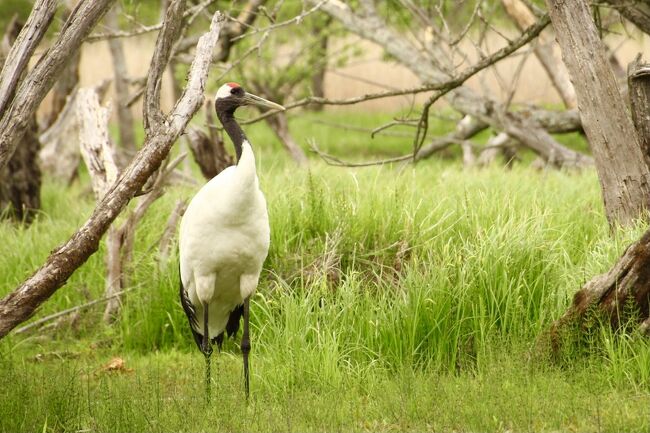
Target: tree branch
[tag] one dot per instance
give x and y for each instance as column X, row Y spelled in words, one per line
column 152, row 116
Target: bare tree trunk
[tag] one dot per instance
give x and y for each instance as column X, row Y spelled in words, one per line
column 20, row 180
column 20, row 304
column 99, row 155
column 121, row 82
column 623, row 173
column 28, row 96
column 279, row 125
column 59, row 156
column 524, row 18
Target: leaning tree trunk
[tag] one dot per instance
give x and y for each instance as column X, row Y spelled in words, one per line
column 623, row 173
column 621, row 295
column 20, row 179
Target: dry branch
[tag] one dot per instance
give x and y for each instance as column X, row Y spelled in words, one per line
column 152, row 115
column 20, row 304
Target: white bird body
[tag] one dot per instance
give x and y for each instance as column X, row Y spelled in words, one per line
column 224, row 240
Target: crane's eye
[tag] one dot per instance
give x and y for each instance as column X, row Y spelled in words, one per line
column 237, row 91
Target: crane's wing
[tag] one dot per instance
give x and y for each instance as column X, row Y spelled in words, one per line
column 190, row 312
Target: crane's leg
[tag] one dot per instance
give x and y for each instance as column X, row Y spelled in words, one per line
column 207, row 351
column 246, row 347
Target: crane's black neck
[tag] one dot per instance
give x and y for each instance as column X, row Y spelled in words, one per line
column 227, row 119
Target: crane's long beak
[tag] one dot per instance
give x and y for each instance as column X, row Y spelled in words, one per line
column 256, row 100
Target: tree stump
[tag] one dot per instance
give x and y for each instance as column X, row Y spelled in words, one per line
column 211, row 156
column 621, row 296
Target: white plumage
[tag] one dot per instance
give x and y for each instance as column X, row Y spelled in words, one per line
column 224, row 240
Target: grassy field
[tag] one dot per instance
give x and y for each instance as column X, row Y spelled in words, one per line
column 393, row 299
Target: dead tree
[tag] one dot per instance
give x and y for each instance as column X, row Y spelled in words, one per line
column 20, row 179
column 16, row 111
column 622, row 170
column 210, row 155
column 430, row 60
column 163, row 131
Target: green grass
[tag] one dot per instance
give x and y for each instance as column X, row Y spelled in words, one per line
column 393, row 299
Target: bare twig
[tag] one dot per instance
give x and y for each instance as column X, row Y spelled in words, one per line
column 333, row 160
column 295, row 20
column 71, row 310
column 194, row 10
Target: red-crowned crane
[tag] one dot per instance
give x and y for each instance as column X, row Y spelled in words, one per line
column 224, row 240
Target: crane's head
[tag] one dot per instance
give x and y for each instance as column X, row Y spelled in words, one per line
column 230, row 96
